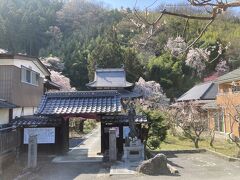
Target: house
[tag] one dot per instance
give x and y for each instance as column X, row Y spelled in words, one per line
column 204, row 95
column 228, row 102
column 201, row 93
column 23, row 80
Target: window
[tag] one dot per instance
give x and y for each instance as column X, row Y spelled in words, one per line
column 29, row 76
column 235, row 88
column 219, row 121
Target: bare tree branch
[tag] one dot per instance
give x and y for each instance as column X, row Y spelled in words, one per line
column 200, row 35
column 217, row 8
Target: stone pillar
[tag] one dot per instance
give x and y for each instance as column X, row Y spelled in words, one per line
column 112, row 145
column 32, row 151
column 1, row 170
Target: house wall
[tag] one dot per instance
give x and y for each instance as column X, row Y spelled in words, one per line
column 24, row 111
column 211, row 123
column 229, row 101
column 27, row 62
column 17, row 92
column 4, row 116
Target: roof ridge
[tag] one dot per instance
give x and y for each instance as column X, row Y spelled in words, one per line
column 82, row 93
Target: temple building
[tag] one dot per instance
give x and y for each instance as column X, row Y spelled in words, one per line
column 103, row 102
column 113, row 79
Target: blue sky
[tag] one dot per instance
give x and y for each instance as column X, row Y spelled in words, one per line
column 140, row 3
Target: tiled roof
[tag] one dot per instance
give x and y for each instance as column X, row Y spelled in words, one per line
column 128, row 94
column 35, row 121
column 123, row 119
column 81, row 102
column 203, row 91
column 51, row 85
column 113, row 78
column 229, row 77
column 5, row 104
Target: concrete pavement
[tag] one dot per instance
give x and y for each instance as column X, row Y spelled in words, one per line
column 86, row 151
column 82, row 163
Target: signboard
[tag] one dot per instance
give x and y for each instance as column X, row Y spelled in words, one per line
column 44, row 135
column 126, row 131
column 106, row 130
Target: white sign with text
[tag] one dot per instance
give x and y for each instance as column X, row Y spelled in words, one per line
column 44, row 135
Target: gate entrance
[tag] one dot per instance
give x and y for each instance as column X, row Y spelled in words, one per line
column 103, row 103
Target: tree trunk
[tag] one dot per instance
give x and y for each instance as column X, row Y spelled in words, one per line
column 81, row 126
column 212, row 138
column 196, row 140
column 238, row 153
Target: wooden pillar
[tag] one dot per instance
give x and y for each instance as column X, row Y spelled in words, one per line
column 121, row 140
column 102, row 138
column 65, row 135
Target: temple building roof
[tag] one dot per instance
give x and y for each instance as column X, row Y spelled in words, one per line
column 80, row 102
column 110, row 78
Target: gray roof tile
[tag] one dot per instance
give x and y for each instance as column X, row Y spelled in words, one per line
column 35, row 121
column 115, row 77
column 80, row 102
column 202, row 91
column 229, row 77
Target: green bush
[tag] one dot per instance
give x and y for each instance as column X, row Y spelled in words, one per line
column 157, row 128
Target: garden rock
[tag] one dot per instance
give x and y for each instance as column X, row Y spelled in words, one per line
column 155, row 166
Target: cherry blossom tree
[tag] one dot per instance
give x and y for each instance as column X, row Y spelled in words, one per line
column 153, row 99
column 53, row 63
column 231, row 108
column 192, row 120
column 196, row 59
column 222, row 67
column 152, row 94
column 56, row 66
column 61, row 80
column 176, row 46
column 211, row 9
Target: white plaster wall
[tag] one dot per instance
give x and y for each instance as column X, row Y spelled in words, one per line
column 17, row 112
column 27, row 63
column 29, row 111
column 24, row 111
column 4, row 116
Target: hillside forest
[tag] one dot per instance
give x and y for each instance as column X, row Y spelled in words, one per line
column 87, row 34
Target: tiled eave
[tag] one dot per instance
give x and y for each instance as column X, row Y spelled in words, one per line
column 80, row 102
column 7, row 105
column 35, row 121
column 122, row 119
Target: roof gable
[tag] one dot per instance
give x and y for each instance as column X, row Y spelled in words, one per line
column 34, row 60
column 203, row 91
column 110, row 78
